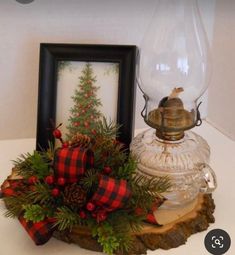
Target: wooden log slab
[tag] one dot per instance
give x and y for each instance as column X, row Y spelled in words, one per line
column 170, row 235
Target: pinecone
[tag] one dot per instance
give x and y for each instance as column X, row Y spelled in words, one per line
column 74, row 195
column 80, row 140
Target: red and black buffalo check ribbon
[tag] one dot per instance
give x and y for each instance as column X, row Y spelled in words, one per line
column 70, row 163
column 111, row 194
column 40, row 232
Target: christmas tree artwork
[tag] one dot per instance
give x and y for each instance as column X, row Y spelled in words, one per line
column 85, row 114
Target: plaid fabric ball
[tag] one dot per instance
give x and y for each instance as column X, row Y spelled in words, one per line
column 70, row 163
column 40, row 232
column 111, row 194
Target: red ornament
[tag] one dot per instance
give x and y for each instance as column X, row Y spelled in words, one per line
column 32, row 179
column 61, row 181
column 94, row 132
column 8, row 192
column 77, row 124
column 107, row 170
column 101, row 216
column 90, row 206
column 82, row 215
column 55, row 192
column 65, row 145
column 49, row 179
column 57, row 134
column 86, row 124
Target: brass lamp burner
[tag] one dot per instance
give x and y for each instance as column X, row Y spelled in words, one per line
column 170, row 119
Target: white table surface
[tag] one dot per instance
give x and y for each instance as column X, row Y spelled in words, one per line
column 14, row 239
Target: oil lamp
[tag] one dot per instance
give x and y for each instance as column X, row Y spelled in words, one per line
column 173, row 72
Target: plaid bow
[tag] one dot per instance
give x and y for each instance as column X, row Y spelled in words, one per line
column 70, row 163
column 40, row 232
column 111, row 194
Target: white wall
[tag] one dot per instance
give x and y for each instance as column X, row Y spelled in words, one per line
column 23, row 27
column 221, row 110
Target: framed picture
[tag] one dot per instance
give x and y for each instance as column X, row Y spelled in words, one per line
column 62, row 71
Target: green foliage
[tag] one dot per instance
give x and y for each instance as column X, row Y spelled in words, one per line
column 107, row 150
column 90, row 180
column 107, row 129
column 34, row 213
column 127, row 170
column 85, row 113
column 112, row 237
column 41, row 194
column 66, row 218
column 15, row 205
column 145, row 190
column 33, row 164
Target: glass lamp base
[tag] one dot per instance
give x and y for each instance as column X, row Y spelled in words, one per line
column 184, row 161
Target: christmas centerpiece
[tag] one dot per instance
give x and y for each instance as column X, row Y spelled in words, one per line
column 87, row 182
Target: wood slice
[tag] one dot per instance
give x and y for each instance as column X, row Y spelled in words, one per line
column 151, row 237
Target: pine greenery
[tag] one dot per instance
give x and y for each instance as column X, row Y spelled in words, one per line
column 36, row 164
column 66, row 218
column 34, row 213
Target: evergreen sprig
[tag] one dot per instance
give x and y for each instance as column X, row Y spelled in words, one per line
column 90, row 180
column 145, row 190
column 41, row 194
column 34, row 213
column 15, row 205
column 127, row 170
column 107, row 129
column 66, row 218
column 36, row 164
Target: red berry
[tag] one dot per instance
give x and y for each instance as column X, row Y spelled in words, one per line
column 94, row 132
column 55, row 192
column 57, row 134
column 8, row 192
column 61, row 181
column 50, row 179
column 82, row 215
column 83, row 111
column 32, row 179
column 65, row 145
column 101, row 216
column 139, row 211
column 86, row 124
column 90, row 207
column 107, row 170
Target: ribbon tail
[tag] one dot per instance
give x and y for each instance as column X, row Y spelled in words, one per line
column 40, row 232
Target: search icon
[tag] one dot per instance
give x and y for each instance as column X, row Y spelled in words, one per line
column 217, row 241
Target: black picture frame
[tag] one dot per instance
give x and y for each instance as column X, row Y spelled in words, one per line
column 51, row 54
